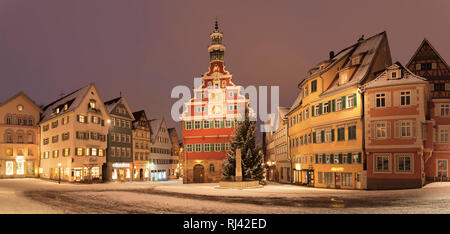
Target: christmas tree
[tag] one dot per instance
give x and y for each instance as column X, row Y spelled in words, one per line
column 252, row 158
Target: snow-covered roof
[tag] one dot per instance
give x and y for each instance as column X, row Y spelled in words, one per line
column 73, row 100
column 282, row 111
column 368, row 48
column 109, row 105
column 155, row 125
column 297, row 101
column 406, row 78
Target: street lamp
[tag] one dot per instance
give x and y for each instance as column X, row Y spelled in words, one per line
column 59, row 173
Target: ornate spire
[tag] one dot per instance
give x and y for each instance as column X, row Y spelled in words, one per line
column 216, row 49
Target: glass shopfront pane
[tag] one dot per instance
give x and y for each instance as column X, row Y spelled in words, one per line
column 9, row 167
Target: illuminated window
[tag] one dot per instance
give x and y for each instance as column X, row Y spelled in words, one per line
column 20, row 168
column 443, row 135
column 114, row 174
column 442, row 165
column 100, row 152
column 80, row 151
column 92, row 104
column 381, row 130
column 405, row 128
column 344, row 78
column 9, row 168
column 93, row 151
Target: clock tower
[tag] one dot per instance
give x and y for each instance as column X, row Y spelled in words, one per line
column 210, row 117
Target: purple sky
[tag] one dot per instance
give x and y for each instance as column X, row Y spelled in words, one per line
column 144, row 48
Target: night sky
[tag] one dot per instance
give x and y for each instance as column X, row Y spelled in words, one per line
column 144, row 48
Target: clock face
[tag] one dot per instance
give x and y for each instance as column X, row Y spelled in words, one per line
column 217, row 110
column 19, row 107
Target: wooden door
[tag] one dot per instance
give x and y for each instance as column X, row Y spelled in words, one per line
column 199, row 174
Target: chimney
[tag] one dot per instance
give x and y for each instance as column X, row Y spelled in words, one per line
column 361, row 38
column 331, row 55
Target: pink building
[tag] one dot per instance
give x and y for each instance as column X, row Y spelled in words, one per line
column 396, row 128
column 426, row 62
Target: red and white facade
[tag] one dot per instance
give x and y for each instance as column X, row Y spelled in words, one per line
column 209, row 119
column 396, row 104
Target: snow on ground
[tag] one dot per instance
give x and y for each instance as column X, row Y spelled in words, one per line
column 40, row 196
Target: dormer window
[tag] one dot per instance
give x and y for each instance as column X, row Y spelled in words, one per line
column 343, row 78
column 355, row 61
column 57, row 110
column 66, row 106
column 394, row 74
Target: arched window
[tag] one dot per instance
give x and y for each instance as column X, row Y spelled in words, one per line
column 30, row 138
column 30, row 121
column 20, row 137
column 9, row 137
column 211, row 167
column 9, row 120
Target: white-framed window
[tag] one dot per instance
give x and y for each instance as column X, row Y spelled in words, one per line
column 443, row 135
column 328, row 135
column 217, row 147
column 350, row 101
column 405, row 129
column 228, row 123
column 381, row 130
column 326, row 108
column 404, row 163
column 305, row 91
column 445, row 110
column 380, row 100
column 189, row 125
column 216, row 124
column 316, row 110
column 338, row 104
column 306, row 113
column 205, row 124
column 382, row 163
column 344, row 78
column 405, row 98
column 197, row 124
column 198, row 147
column 206, row 147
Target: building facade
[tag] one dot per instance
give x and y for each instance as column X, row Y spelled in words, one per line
column 276, row 157
column 19, row 144
column 119, row 154
column 426, row 62
column 176, row 149
column 325, row 122
column 162, row 163
column 396, row 105
column 141, row 146
column 209, row 120
column 73, row 137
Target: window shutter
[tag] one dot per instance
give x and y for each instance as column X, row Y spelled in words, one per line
column 78, row 118
column 388, row 99
column 329, row 106
column 354, row 100
column 202, row 146
column 373, row 130
column 359, row 157
column 332, row 158
column 388, row 130
column 222, row 123
column 323, row 158
column 314, row 137
column 211, row 124
column 322, row 136
column 397, row 129
column 312, row 110
column 320, row 108
column 317, row 158
column 349, row 158
column 333, row 105
column 340, row 159
column 343, row 102
column 349, row 130
column 332, row 134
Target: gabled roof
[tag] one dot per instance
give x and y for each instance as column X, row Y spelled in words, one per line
column 369, row 48
column 407, row 78
column 297, row 101
column 111, row 104
column 425, row 42
column 282, row 111
column 155, row 126
column 137, row 117
column 21, row 93
column 72, row 99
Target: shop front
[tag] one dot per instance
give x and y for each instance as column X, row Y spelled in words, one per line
column 303, row 175
column 121, row 171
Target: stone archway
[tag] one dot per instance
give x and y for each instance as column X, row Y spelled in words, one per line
column 199, row 174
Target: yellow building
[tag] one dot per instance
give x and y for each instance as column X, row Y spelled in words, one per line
column 325, row 122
